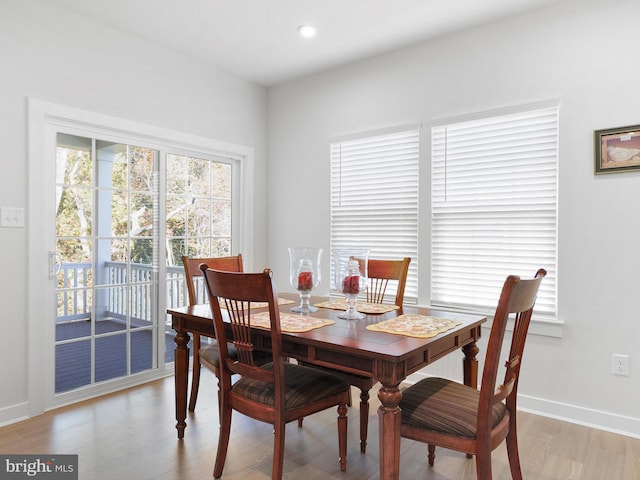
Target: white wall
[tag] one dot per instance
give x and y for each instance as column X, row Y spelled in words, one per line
column 581, row 52
column 53, row 55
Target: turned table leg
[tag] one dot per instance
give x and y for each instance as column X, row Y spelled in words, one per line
column 470, row 364
column 181, row 366
column 470, row 368
column 389, row 417
column 364, row 419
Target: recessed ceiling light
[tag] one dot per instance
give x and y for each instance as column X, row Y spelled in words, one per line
column 307, row 31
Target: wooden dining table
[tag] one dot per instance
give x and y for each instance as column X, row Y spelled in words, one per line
column 347, row 345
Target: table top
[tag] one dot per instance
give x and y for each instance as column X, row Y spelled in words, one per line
column 351, row 336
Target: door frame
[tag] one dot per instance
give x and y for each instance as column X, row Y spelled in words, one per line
column 45, row 119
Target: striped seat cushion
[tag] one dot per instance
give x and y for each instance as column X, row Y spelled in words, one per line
column 445, row 406
column 303, row 385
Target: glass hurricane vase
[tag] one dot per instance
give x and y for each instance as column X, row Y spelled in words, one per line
column 304, row 274
column 350, row 278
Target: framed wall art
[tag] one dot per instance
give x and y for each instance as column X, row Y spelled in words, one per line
column 617, row 150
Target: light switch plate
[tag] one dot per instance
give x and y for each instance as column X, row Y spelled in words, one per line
column 12, row 217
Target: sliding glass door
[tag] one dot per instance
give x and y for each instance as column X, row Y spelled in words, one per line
column 109, row 300
column 114, row 204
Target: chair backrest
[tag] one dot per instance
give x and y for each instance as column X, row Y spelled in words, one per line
column 380, row 272
column 517, row 298
column 192, row 272
column 230, row 296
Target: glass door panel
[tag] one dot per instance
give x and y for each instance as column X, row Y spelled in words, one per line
column 107, row 239
column 198, row 215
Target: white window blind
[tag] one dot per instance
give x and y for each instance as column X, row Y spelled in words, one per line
column 494, row 205
column 374, row 198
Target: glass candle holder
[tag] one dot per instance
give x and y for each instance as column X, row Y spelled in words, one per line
column 350, row 278
column 304, row 274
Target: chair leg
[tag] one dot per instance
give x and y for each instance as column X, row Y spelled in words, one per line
column 432, row 454
column 483, row 463
column 364, row 419
column 195, row 378
column 512, row 450
column 217, row 374
column 278, row 451
column 342, row 436
column 223, row 440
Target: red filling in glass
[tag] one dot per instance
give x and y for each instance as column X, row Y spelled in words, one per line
column 305, row 281
column 351, row 284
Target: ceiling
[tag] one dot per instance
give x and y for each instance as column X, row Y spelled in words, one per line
column 258, row 39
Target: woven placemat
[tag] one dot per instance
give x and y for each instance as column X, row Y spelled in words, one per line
column 412, row 325
column 290, row 322
column 362, row 307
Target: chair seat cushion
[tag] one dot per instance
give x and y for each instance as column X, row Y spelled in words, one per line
column 444, row 406
column 303, row 385
column 209, row 353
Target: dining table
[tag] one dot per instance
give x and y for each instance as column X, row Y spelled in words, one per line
column 368, row 347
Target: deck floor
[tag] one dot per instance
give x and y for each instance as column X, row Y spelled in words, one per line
column 73, row 360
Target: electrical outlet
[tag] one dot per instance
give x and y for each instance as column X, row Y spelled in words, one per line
column 620, row 365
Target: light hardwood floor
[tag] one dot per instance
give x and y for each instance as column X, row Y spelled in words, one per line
column 131, row 436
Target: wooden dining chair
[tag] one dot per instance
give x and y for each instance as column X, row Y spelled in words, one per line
column 277, row 392
column 446, row 413
column 380, row 272
column 206, row 355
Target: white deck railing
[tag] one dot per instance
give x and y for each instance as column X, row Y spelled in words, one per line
column 75, row 298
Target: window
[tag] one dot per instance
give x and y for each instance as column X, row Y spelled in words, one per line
column 494, row 207
column 374, row 198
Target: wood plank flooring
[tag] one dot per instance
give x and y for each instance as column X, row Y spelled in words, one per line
column 131, row 435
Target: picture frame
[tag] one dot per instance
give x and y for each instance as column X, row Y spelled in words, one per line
column 617, row 150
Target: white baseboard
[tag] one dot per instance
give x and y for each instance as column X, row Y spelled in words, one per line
column 607, row 421
column 14, row 414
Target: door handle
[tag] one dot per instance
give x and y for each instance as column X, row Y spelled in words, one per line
column 55, row 264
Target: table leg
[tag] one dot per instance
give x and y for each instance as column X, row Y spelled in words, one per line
column 470, row 368
column 181, row 370
column 389, row 418
column 364, row 419
column 470, row 364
